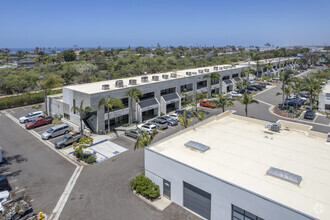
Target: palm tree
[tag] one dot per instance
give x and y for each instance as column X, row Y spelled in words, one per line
column 144, row 139
column 49, row 82
column 268, row 66
column 133, row 94
column 285, row 77
column 297, row 87
column 185, row 120
column 213, row 78
column 81, row 110
column 110, row 103
column 223, row 102
column 246, row 100
column 312, row 85
column 286, row 92
column 247, row 74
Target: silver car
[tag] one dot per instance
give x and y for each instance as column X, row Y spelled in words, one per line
column 56, row 131
column 134, row 133
column 160, row 123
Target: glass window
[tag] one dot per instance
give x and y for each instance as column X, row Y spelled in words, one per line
column 241, row 214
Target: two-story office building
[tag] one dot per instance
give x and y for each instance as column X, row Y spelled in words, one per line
column 162, row 93
column 324, row 98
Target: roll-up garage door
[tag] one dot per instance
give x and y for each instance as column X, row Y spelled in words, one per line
column 197, row 200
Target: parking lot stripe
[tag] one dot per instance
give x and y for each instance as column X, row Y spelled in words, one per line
column 12, row 181
column 11, row 111
column 38, row 136
column 24, row 108
column 315, row 118
column 21, row 190
column 65, row 195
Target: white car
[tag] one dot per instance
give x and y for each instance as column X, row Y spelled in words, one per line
column 173, row 116
column 235, row 94
column 4, row 195
column 149, row 128
column 31, row 116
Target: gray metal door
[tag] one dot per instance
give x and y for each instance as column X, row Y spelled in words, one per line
column 167, row 188
column 197, row 200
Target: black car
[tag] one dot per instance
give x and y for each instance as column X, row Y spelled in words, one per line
column 304, row 95
column 252, row 88
column 310, row 114
column 4, row 184
column 258, row 86
column 242, row 91
column 263, row 85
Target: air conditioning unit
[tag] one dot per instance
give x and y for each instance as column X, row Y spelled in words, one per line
column 200, row 71
column 215, row 68
column 144, row 79
column 173, row 75
column 206, row 70
column 188, row 73
column 165, row 76
column 194, row 73
column 132, row 82
column 220, row 68
column 155, row 78
column 105, row 87
column 275, row 127
column 119, row 83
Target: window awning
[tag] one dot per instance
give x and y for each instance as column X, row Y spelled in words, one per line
column 237, row 79
column 228, row 81
column 149, row 103
column 170, row 98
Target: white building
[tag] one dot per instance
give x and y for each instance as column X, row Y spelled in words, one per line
column 162, row 93
column 324, row 99
column 230, row 174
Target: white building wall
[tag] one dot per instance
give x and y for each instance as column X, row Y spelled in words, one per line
column 223, row 194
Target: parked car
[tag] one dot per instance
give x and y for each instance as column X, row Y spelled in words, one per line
column 292, row 102
column 134, row 133
column 309, row 114
column 31, row 116
column 4, row 184
column 304, row 95
column 160, row 123
column 252, row 88
column 207, row 104
column 56, row 131
column 4, row 195
column 235, row 94
column 149, row 128
column 170, row 121
column 39, row 122
column 263, row 85
column 242, row 91
column 258, row 86
column 173, row 116
column 276, row 79
column 67, row 140
column 181, row 112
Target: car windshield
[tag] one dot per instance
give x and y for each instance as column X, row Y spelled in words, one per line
column 28, row 115
column 50, row 130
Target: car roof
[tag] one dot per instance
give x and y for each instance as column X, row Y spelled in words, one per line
column 3, row 177
column 59, row 126
column 4, row 194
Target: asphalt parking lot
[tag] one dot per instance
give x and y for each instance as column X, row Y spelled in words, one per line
column 31, row 167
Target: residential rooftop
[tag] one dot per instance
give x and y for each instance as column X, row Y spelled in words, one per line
column 241, row 151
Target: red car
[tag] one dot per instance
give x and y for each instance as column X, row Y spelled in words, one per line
column 39, row 122
column 207, row 104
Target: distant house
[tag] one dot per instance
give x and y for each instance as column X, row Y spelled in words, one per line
column 26, row 63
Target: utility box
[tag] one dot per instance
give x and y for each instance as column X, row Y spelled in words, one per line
column 275, row 127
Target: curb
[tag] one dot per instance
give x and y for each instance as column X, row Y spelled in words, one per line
column 280, row 114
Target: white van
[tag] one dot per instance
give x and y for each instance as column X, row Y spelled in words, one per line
column 31, row 116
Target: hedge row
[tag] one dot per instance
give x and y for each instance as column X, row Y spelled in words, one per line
column 25, row 99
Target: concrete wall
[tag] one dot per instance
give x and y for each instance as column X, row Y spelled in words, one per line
column 223, row 194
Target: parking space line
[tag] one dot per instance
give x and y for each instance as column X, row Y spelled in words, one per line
column 21, row 190
column 24, row 108
column 12, row 181
column 12, row 111
column 315, row 118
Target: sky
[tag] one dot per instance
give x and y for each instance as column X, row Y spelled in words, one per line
column 120, row 23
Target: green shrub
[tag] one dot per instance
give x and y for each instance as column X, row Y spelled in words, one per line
column 145, row 187
column 25, row 99
column 265, row 78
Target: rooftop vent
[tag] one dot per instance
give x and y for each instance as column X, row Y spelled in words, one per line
column 206, row 70
column 194, row 73
column 119, row 83
column 132, row 81
column 197, row 146
column 144, row 79
column 165, row 76
column 155, row 78
column 105, row 87
column 200, row 71
column 173, row 75
column 284, row 175
column 220, row 68
column 215, row 68
column 188, row 73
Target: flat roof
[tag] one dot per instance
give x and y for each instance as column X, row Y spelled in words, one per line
column 96, row 87
column 242, row 150
column 326, row 88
